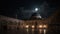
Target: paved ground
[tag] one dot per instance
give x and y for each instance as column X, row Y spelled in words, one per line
column 28, row 31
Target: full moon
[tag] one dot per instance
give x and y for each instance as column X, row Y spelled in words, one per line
column 36, row 9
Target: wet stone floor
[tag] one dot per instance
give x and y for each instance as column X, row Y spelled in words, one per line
column 30, row 31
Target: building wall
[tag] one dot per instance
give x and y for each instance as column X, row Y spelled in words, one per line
column 11, row 23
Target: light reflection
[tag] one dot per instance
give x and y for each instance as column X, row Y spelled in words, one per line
column 44, row 31
column 27, row 31
column 40, row 31
column 32, row 29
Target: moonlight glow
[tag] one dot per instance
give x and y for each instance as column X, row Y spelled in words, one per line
column 36, row 9
column 38, row 16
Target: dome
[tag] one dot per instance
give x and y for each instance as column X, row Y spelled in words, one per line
column 36, row 16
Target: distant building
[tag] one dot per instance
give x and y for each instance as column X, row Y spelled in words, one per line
column 11, row 23
column 36, row 16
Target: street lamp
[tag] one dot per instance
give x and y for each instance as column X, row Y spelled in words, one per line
column 33, row 26
column 45, row 26
column 27, row 26
column 40, row 26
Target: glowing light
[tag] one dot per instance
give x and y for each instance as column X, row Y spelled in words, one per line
column 36, row 9
column 40, row 26
column 27, row 26
column 45, row 26
column 33, row 26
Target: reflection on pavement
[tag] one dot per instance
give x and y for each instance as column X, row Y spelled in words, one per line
column 38, row 31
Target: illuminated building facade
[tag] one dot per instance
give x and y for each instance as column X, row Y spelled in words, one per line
column 15, row 24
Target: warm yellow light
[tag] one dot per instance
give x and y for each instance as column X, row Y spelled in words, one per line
column 44, row 26
column 33, row 26
column 40, row 26
column 27, row 26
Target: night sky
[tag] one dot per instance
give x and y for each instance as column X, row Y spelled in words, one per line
column 24, row 8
